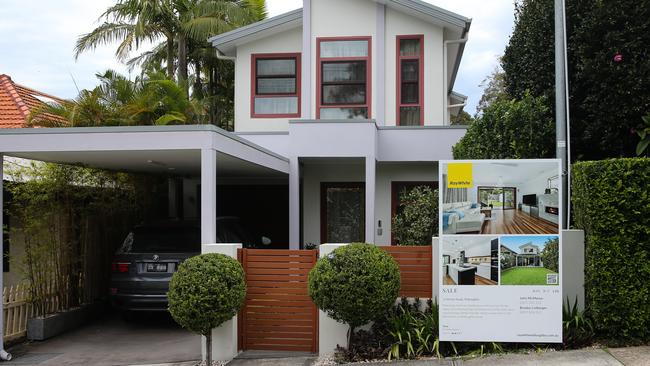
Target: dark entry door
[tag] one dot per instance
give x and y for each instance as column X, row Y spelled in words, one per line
column 343, row 212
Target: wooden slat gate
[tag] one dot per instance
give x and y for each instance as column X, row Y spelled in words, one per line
column 278, row 313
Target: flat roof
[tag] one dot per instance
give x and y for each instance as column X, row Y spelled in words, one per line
column 150, row 149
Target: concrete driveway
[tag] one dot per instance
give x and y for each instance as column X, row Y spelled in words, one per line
column 149, row 339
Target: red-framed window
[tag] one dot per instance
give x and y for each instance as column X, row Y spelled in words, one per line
column 275, row 85
column 343, row 78
column 410, row 80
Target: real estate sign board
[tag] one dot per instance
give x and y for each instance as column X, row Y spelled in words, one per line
column 500, row 251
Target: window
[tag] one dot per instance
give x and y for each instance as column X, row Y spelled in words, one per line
column 410, row 76
column 343, row 212
column 275, row 89
column 343, row 78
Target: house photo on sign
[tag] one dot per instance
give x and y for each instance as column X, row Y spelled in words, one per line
column 500, row 251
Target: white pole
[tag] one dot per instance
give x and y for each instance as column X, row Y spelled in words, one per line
column 4, row 355
column 561, row 105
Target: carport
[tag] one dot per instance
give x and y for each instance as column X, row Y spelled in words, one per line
column 203, row 151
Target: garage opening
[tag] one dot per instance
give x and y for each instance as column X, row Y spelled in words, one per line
column 114, row 255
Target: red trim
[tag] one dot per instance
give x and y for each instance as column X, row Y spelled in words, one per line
column 368, row 60
column 323, row 205
column 395, row 187
column 398, row 85
column 253, row 93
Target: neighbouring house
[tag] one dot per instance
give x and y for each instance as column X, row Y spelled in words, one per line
column 18, row 101
column 16, row 104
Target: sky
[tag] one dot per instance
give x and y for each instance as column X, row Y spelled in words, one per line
column 37, row 39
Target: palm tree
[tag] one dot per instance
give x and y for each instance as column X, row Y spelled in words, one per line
column 118, row 101
column 132, row 22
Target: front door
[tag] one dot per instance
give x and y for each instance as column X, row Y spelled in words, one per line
column 343, row 212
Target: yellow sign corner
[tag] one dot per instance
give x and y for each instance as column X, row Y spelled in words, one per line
column 459, row 175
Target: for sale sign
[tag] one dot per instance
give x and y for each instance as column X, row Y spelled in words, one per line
column 500, row 251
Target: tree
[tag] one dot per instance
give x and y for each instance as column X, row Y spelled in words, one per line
column 609, row 71
column 186, row 26
column 205, row 292
column 463, row 118
column 417, row 219
column 510, row 129
column 118, row 101
column 550, row 255
column 494, row 89
column 355, row 284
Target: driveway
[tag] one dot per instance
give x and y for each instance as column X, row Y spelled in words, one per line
column 149, row 339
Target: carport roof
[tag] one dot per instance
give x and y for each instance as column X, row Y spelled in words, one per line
column 149, row 149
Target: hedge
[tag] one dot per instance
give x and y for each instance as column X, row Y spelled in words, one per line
column 611, row 203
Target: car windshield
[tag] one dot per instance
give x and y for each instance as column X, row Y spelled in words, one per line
column 163, row 240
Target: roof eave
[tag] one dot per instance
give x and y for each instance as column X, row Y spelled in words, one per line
column 227, row 42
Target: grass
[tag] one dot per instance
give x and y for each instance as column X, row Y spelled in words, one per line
column 524, row 276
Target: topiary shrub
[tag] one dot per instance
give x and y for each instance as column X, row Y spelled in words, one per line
column 206, row 291
column 611, row 203
column 355, row 284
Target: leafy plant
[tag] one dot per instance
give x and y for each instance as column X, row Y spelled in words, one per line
column 355, row 284
column 611, row 203
column 206, row 291
column 551, row 255
column 510, row 129
column 577, row 328
column 417, row 220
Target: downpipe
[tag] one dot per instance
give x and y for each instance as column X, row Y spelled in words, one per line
column 5, row 356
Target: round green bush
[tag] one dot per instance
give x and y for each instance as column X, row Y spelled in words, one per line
column 355, row 284
column 206, row 291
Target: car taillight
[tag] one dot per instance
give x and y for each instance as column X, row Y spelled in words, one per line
column 120, row 267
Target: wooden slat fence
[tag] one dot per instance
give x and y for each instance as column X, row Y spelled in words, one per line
column 416, row 267
column 17, row 308
column 278, row 313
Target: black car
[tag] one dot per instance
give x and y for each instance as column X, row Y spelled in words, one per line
column 150, row 255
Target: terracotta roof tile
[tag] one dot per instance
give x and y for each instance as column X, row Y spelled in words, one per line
column 17, row 102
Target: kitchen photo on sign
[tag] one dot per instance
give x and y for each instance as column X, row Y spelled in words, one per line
column 470, row 260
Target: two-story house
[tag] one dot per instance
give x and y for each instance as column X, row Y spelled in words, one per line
column 358, row 96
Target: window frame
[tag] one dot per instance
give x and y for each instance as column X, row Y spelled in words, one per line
column 254, row 95
column 324, row 186
column 319, row 73
column 398, row 84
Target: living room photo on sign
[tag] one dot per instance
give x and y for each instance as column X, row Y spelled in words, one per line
column 494, row 197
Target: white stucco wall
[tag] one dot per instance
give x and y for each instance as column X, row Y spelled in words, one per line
column 398, row 23
column 314, row 173
column 285, row 42
column 343, row 18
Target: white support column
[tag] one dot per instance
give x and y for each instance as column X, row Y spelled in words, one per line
column 371, row 167
column 573, row 267
column 294, row 203
column 208, row 196
column 330, row 332
column 306, row 60
column 380, row 111
column 224, row 338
